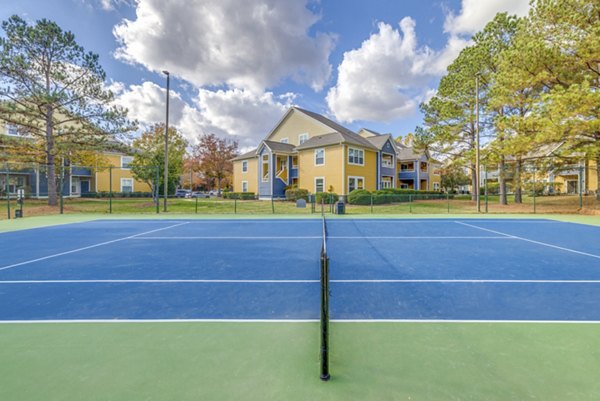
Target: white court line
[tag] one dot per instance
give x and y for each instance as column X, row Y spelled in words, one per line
column 283, row 281
column 504, row 237
column 219, row 238
column 88, row 247
column 532, row 241
column 425, row 321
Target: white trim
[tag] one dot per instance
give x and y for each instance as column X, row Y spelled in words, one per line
column 317, row 237
column 132, row 184
column 315, row 183
column 244, row 182
column 89, row 247
column 284, row 140
column 315, row 157
column 244, row 164
column 175, row 281
column 359, row 150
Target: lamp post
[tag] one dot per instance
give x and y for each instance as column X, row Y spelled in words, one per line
column 477, row 144
column 166, row 177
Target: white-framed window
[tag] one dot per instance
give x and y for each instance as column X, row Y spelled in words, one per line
column 436, row 186
column 319, row 184
column 356, row 156
column 319, row 157
column 387, row 160
column 265, row 168
column 126, row 161
column 356, row 183
column 407, row 166
column 302, row 138
column 294, row 161
column 244, row 166
column 386, row 182
column 126, row 184
column 403, row 186
column 284, row 140
column 11, row 130
column 244, row 186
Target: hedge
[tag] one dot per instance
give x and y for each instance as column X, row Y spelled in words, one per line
column 383, row 196
column 239, row 195
column 326, row 197
column 293, row 194
column 106, row 194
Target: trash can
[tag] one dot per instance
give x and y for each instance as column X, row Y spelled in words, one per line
column 340, row 207
column 18, row 213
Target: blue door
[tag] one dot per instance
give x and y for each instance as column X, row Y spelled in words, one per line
column 85, row 186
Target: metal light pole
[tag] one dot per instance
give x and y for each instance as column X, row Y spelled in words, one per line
column 166, row 177
column 477, row 161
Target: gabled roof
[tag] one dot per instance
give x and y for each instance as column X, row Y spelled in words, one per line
column 247, row 155
column 279, row 146
column 367, row 132
column 407, row 153
column 379, row 140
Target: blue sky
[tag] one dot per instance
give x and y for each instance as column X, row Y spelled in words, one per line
column 237, row 65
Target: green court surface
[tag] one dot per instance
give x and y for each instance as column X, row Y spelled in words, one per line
column 279, row 361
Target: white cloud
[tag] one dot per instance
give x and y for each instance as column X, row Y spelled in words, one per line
column 250, row 44
column 234, row 114
column 475, row 14
column 382, row 80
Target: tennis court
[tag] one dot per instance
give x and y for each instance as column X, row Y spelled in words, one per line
column 392, row 272
column 269, row 269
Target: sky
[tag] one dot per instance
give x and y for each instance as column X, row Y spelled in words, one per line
column 236, row 66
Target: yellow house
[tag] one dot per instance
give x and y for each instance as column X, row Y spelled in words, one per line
column 308, row 150
column 116, row 175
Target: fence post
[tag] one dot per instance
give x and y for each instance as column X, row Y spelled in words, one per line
column 534, row 191
column 156, row 185
column 485, row 186
column 272, row 204
column 196, row 205
column 448, row 201
column 110, row 194
column 371, row 203
column 62, row 184
column 7, row 189
column 580, row 187
column 409, row 203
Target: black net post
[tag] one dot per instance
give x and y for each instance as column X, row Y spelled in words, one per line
column 324, row 309
column 7, row 189
column 61, row 187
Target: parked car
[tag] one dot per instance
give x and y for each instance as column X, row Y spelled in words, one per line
column 198, row 194
column 182, row 193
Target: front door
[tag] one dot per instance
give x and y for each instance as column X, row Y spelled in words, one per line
column 85, row 186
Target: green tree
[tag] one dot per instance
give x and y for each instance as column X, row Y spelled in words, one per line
column 149, row 158
column 52, row 89
column 453, row 176
column 213, row 157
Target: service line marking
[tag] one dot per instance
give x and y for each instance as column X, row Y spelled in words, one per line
column 88, row 247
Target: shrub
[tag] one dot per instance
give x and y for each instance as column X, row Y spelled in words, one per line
column 239, row 195
column 326, row 197
column 293, row 194
column 359, row 197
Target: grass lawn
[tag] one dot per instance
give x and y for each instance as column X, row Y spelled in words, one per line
column 279, row 361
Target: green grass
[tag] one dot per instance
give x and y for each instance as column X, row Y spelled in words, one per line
column 279, row 361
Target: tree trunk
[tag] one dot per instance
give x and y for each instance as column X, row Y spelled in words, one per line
column 50, row 159
column 517, row 181
column 502, row 182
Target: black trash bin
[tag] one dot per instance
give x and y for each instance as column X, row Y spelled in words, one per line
column 340, row 207
column 18, row 213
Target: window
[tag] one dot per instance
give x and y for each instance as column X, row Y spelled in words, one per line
column 386, row 182
column 265, row 168
column 356, row 156
column 423, row 167
column 403, row 186
column 302, row 138
column 355, row 183
column 11, row 130
column 436, row 186
column 319, row 184
column 244, row 186
column 126, row 184
column 387, row 161
column 244, row 166
column 409, row 166
column 294, row 161
column 126, row 161
column 319, row 157
column 284, row 140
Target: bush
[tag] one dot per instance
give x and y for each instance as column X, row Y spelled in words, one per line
column 359, row 197
column 326, row 197
column 293, row 194
column 239, row 195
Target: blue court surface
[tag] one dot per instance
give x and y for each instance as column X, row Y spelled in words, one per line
column 417, row 269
